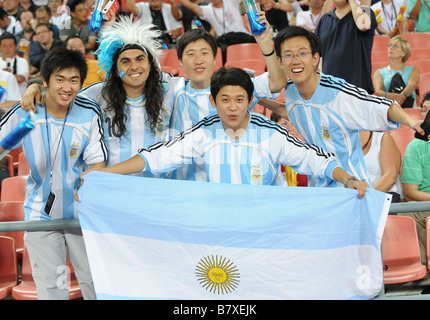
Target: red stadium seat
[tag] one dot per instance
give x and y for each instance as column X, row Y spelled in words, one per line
column 23, row 167
column 401, row 252
column 26, row 290
column 417, row 40
column 418, row 54
column 244, row 51
column 402, row 137
column 169, row 61
column 13, row 211
column 422, row 65
column 8, row 266
column 15, row 156
column 9, row 165
column 424, row 86
column 13, row 189
column 380, row 43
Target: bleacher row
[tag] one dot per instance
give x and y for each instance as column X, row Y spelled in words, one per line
column 401, row 254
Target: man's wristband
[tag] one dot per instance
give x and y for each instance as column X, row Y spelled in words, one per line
column 347, row 180
column 269, row 54
column 404, row 94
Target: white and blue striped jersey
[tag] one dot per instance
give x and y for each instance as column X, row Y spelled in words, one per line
column 255, row 158
column 81, row 144
column 138, row 134
column 192, row 105
column 332, row 118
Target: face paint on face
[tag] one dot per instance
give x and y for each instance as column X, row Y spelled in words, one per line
column 121, row 74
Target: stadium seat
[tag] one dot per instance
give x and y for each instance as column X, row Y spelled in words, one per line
column 23, row 167
column 13, row 189
column 402, row 137
column 380, row 43
column 424, row 86
column 15, row 156
column 400, row 251
column 9, row 165
column 169, row 61
column 13, row 211
column 418, row 54
column 244, row 51
column 422, row 65
column 26, row 290
column 252, row 64
column 417, row 40
column 8, row 266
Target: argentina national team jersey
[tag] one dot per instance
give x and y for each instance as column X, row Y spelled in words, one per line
column 81, row 144
column 191, row 105
column 332, row 118
column 138, row 134
column 254, row 159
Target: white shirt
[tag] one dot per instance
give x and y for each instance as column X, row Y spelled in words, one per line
column 389, row 13
column 170, row 22
column 21, row 69
column 225, row 19
column 308, row 19
column 9, row 83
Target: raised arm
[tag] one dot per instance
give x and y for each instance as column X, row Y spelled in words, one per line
column 193, row 7
column 277, row 77
column 131, row 6
column 397, row 114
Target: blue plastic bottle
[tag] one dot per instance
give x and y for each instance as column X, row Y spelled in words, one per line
column 97, row 18
column 251, row 11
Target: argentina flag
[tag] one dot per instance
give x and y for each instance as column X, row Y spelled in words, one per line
column 169, row 239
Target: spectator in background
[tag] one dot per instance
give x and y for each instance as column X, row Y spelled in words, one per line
column 12, row 94
column 226, row 21
column 43, row 15
column 94, row 73
column 276, row 13
column 383, row 161
column 399, row 52
column 59, row 13
column 12, row 63
column 79, row 25
column 309, row 19
column 162, row 15
column 39, row 48
column 28, row 5
column 25, row 18
column 419, row 11
column 390, row 9
column 9, row 23
column 346, row 35
column 416, row 179
column 189, row 18
column 12, row 7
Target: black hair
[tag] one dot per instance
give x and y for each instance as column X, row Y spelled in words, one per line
column 192, row 36
column 294, row 31
column 73, row 36
column 3, row 13
column 44, row 8
column 73, row 3
column 59, row 58
column 114, row 93
column 7, row 35
column 231, row 77
column 426, row 96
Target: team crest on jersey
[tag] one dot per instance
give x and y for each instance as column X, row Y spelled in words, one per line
column 325, row 133
column 74, row 151
column 257, row 173
column 160, row 127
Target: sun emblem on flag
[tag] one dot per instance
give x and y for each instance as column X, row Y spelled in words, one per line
column 217, row 274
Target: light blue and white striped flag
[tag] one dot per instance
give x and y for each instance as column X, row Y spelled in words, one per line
column 168, row 239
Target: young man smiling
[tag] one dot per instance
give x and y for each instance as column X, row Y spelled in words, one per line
column 328, row 111
column 237, row 146
column 67, row 138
